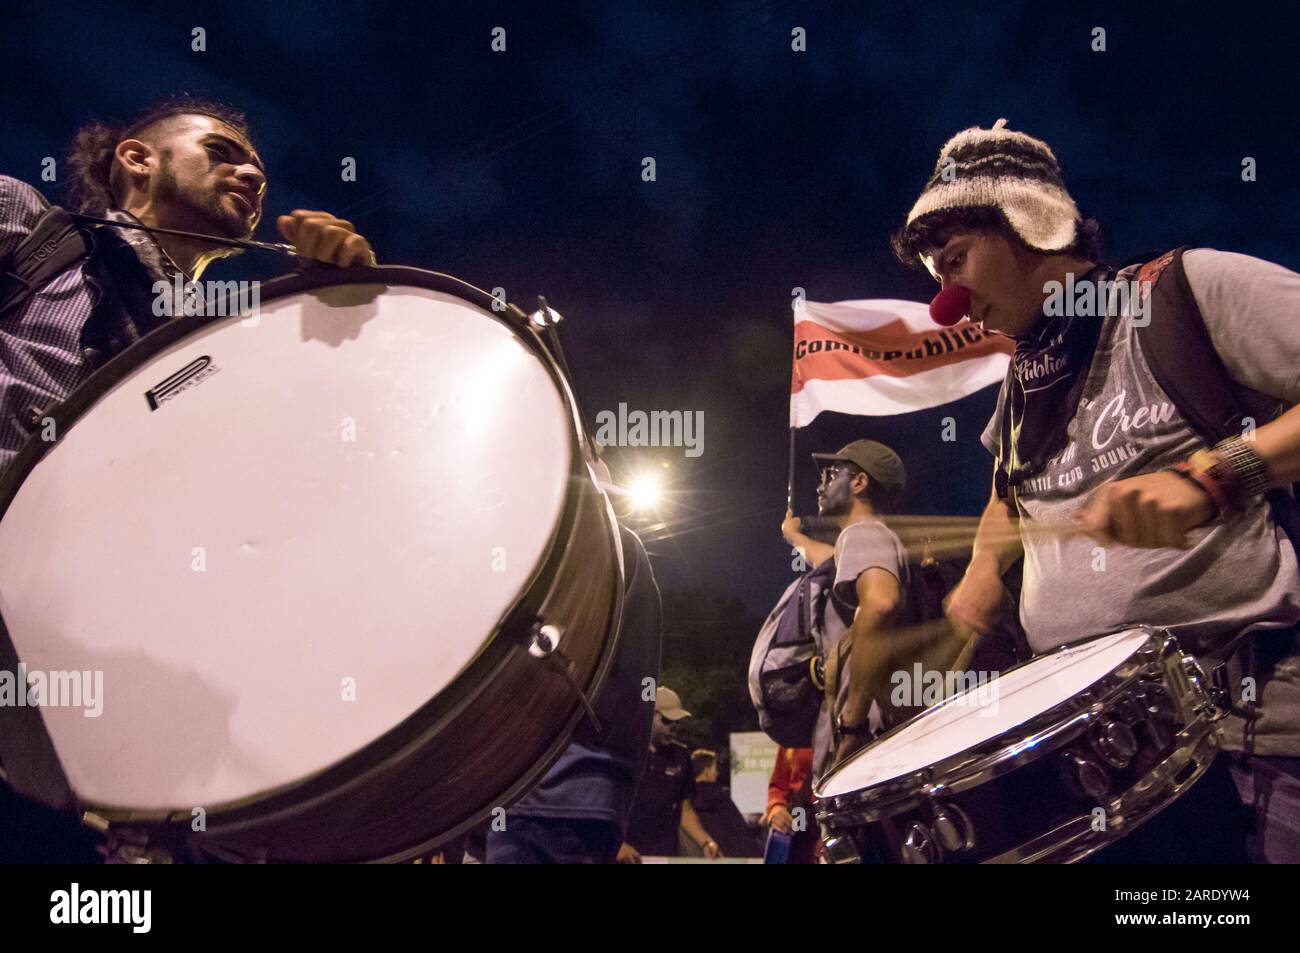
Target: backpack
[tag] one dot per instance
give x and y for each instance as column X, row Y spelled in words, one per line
column 1182, row 358
column 785, row 681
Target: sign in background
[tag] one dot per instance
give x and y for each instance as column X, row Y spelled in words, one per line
column 753, row 755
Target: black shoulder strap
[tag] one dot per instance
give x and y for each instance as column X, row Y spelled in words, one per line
column 54, row 243
column 1184, row 362
column 1181, row 355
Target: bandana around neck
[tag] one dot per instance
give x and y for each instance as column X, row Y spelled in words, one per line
column 1044, row 383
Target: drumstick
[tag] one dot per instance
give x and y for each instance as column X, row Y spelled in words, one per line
column 279, row 247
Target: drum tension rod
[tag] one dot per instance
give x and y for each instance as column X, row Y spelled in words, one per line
column 545, row 645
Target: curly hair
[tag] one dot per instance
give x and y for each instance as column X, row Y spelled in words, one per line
column 94, row 181
column 933, row 231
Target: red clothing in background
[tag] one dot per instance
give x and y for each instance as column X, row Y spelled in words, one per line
column 790, row 778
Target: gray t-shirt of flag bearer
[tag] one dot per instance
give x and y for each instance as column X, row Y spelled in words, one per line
column 1238, row 574
column 869, row 544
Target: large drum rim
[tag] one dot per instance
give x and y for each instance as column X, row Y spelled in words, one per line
column 48, row 782
column 1004, row 752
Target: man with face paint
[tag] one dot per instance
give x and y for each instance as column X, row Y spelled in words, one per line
column 1123, row 515
column 871, row 578
column 189, row 165
column 186, row 164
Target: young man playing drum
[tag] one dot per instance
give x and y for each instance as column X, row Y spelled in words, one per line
column 1123, row 515
column 186, row 165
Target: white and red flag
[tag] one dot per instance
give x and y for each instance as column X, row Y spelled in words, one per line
column 879, row 357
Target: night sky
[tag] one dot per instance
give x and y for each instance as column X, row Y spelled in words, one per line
column 775, row 170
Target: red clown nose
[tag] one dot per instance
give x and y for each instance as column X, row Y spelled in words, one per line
column 950, row 305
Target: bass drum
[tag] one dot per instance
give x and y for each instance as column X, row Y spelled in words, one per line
column 339, row 569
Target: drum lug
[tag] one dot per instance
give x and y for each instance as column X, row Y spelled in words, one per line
column 1115, row 743
column 919, row 846
column 952, row 828
column 1089, row 777
column 1212, row 699
column 545, row 639
column 544, row 644
column 840, row 849
column 125, row 846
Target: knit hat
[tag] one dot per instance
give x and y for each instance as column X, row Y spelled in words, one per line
column 1009, row 171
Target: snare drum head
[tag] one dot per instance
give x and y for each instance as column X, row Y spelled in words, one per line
column 276, row 541
column 977, row 715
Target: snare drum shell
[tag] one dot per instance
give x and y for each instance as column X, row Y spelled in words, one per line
column 1126, row 728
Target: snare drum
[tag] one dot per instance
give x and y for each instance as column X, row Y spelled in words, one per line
column 1048, row 763
column 341, row 567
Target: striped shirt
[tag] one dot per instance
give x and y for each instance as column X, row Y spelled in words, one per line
column 57, row 337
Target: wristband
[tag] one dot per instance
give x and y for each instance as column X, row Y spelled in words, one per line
column 862, row 729
column 1184, row 471
column 1250, row 473
column 1200, row 468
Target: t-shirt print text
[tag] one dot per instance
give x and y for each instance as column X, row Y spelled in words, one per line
column 1115, row 435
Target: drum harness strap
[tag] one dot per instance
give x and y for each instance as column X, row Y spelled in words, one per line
column 56, row 241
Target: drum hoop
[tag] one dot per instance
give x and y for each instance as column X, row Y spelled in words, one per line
column 1006, row 751
column 47, row 780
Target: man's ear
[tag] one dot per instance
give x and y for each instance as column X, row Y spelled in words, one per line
column 134, row 156
column 860, row 483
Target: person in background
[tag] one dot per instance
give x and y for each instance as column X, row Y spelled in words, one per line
column 578, row 812
column 717, row 811
column 789, row 803
column 663, row 801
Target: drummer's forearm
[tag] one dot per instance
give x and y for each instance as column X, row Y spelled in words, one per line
column 997, row 538
column 1278, row 444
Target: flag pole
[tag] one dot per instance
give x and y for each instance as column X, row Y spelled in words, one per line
column 789, row 484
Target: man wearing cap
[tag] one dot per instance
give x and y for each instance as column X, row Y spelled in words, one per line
column 859, row 483
column 663, row 800
column 1096, row 458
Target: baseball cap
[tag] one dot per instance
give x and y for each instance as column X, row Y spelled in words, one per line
column 668, row 704
column 877, row 461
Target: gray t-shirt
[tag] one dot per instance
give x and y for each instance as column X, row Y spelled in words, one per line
column 1238, row 574
column 861, row 546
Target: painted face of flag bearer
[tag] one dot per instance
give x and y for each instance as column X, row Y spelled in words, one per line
column 840, row 482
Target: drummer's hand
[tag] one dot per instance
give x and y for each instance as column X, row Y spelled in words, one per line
column 627, row 854
column 711, row 850
column 1151, row 511
column 781, row 819
column 321, row 236
column 848, row 745
column 977, row 604
column 790, row 525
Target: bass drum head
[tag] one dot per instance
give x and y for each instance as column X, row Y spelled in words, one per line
column 275, row 539
column 977, row 715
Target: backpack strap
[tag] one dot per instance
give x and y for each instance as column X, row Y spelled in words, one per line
column 1182, row 357
column 1184, row 362
column 54, row 243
